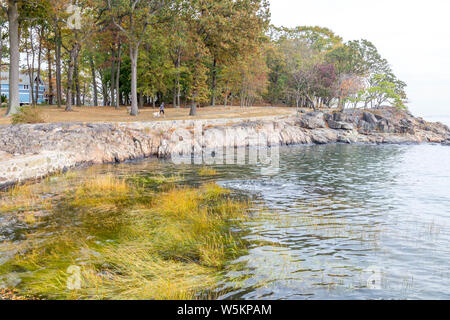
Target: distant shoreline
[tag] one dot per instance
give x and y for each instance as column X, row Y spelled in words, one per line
column 444, row 119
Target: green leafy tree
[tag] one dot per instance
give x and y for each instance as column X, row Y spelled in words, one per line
column 384, row 91
column 177, row 35
column 156, row 69
column 133, row 18
column 198, row 91
column 229, row 28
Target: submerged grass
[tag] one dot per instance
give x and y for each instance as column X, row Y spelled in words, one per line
column 132, row 243
column 35, row 196
column 207, row 172
column 101, row 191
column 156, row 182
column 22, row 198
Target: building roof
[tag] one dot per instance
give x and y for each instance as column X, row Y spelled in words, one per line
column 24, row 78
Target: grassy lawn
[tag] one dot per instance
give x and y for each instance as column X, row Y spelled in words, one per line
column 109, row 114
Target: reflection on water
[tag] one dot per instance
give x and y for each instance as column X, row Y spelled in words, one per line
column 337, row 222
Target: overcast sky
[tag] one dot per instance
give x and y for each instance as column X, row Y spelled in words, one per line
column 413, row 35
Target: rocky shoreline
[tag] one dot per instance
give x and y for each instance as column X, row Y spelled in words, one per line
column 34, row 151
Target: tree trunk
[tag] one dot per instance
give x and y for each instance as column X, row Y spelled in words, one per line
column 227, row 93
column 214, row 83
column 310, row 101
column 77, row 82
column 50, row 77
column 31, row 67
column 58, row 64
column 84, row 93
column 119, row 53
column 341, row 104
column 70, row 72
column 105, row 94
column 38, row 84
column 14, row 54
column 104, row 89
column 134, row 103
column 193, row 111
column 174, row 94
column 113, row 74
column 177, row 82
column 94, row 81
column 141, row 99
column 69, row 87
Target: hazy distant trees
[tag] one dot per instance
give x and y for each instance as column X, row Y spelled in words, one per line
column 312, row 67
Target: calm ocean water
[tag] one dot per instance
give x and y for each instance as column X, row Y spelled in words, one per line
column 349, row 222
column 337, row 222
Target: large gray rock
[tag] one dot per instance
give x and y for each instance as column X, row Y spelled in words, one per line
column 370, row 118
column 384, row 126
column 354, row 119
column 352, row 136
column 312, row 120
column 334, row 124
column 324, row 136
column 406, row 126
column 400, row 139
column 347, row 126
column 33, row 151
column 340, row 117
column 337, row 125
column 366, row 127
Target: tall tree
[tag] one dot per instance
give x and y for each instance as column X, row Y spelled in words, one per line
column 138, row 16
column 74, row 51
column 177, row 35
column 29, row 46
column 93, row 79
column 57, row 16
column 50, row 74
column 117, row 77
column 40, row 34
column 2, row 24
column 14, row 55
column 58, row 49
column 229, row 28
column 74, row 35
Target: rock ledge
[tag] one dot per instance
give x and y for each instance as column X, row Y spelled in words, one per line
column 34, row 151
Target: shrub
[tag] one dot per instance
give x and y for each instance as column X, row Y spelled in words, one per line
column 28, row 115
